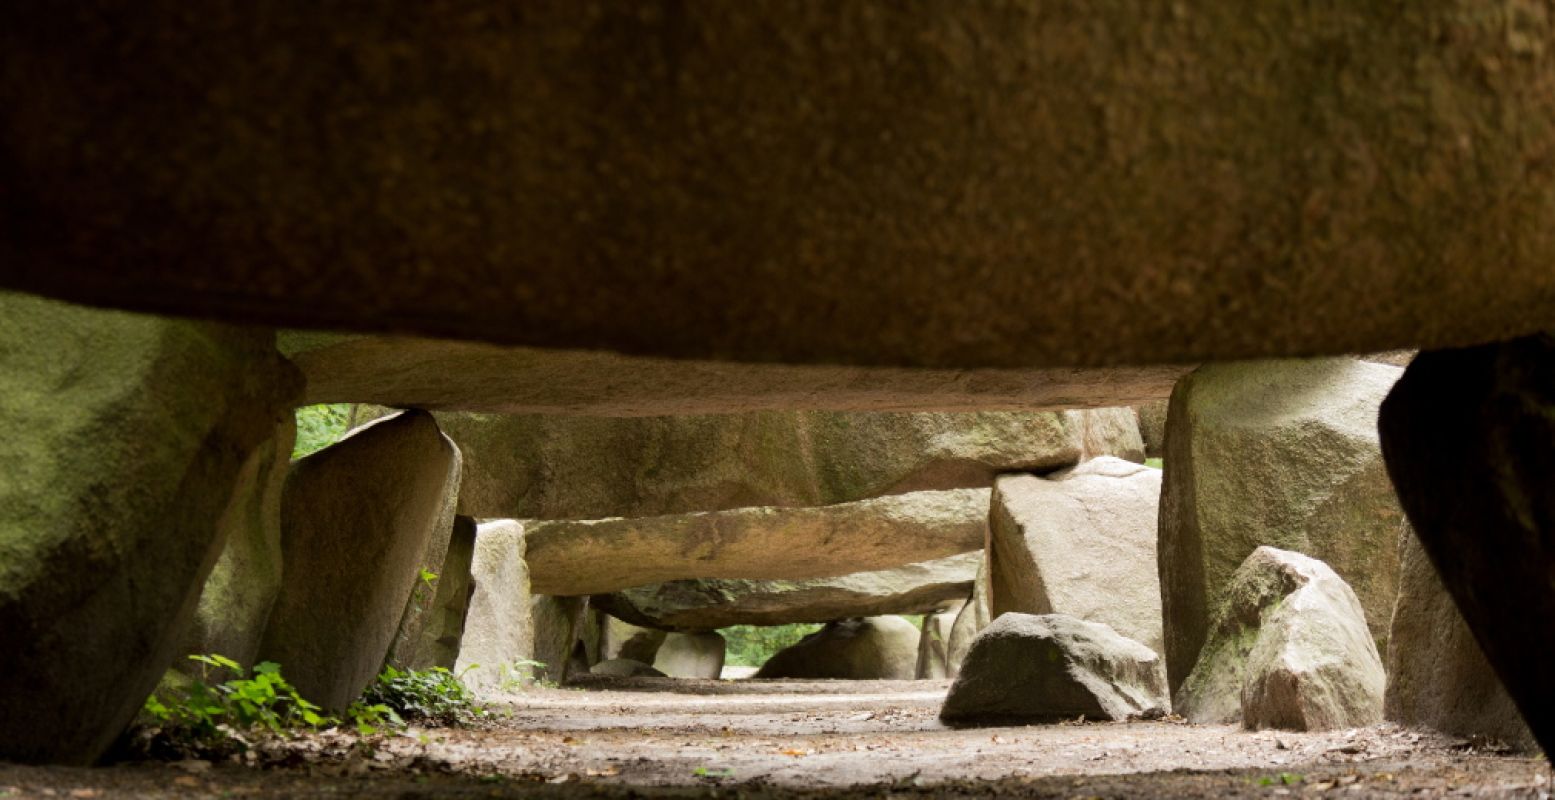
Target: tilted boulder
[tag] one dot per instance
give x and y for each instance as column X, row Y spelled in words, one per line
column 498, row 642
column 125, row 446
column 691, row 655
column 357, row 521
column 710, row 604
column 1081, row 542
column 1047, row 667
column 581, row 467
column 970, row 621
column 568, row 557
column 1288, row 648
column 872, row 648
column 1278, row 453
column 1437, row 675
column 1152, row 427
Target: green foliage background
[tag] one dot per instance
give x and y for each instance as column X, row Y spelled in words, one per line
column 752, row 645
column 320, row 426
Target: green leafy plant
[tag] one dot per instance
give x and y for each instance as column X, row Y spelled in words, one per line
column 515, row 676
column 1282, row 779
column 203, row 715
column 434, row 696
column 321, row 426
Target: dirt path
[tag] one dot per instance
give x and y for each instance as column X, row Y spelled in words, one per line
column 766, row 739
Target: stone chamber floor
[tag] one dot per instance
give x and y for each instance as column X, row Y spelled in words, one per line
column 650, row 738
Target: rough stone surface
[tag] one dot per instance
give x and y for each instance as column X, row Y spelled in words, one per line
column 235, row 603
column 625, row 668
column 442, row 636
column 1437, row 675
column 602, row 556
column 556, row 622
column 691, row 655
column 499, row 635
column 1081, row 542
column 970, row 621
column 1152, row 427
column 126, row 439
column 468, row 376
column 697, row 605
column 1281, row 453
column 1050, row 667
column 934, row 644
column 568, row 467
column 356, row 521
column 422, row 612
column 1288, row 648
column 1469, row 437
column 872, row 648
column 1175, row 182
column 625, row 640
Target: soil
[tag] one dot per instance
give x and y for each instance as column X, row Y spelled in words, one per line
column 651, row 738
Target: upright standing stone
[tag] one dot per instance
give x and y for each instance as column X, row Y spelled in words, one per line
column 972, row 619
column 1437, row 675
column 499, row 635
column 1469, row 437
column 691, row 655
column 627, row 641
column 356, row 521
column 1279, row 453
column 556, row 622
column 125, row 439
column 235, row 602
column 421, row 610
column 934, row 645
column 1081, row 542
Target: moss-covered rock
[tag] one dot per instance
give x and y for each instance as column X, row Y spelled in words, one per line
column 125, row 439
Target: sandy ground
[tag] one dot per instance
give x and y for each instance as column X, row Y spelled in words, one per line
column 757, row 739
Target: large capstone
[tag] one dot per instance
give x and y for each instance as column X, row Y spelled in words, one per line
column 569, row 557
column 358, row 521
column 1279, row 453
column 872, row 648
column 711, row 604
column 1049, row 667
column 1288, row 648
column 571, row 467
column 132, row 445
column 937, row 184
column 497, row 649
column 1470, row 442
column 1081, row 542
column 1437, row 675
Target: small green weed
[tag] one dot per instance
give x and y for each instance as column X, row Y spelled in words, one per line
column 704, row 772
column 433, row 696
column 1282, row 779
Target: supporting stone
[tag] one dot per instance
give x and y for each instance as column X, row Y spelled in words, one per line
column 627, row 641
column 700, row 605
column 934, row 645
column 125, row 440
column 421, row 610
column 357, row 519
column 498, row 645
column 556, row 622
column 602, row 556
column 1469, row 437
column 1437, row 675
column 1080, row 542
column 1279, row 453
column 973, row 618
